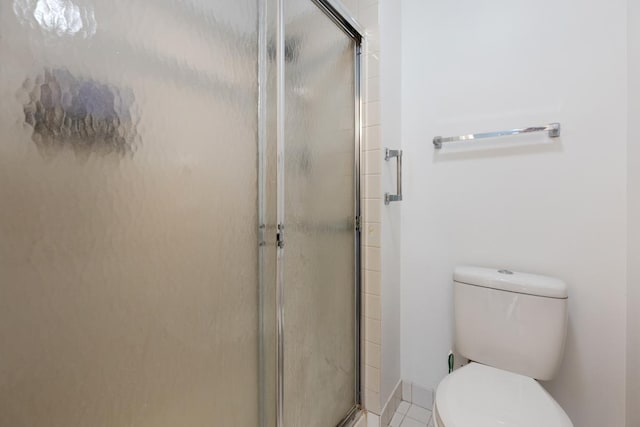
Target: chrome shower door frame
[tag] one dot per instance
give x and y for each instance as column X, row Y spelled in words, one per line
column 341, row 17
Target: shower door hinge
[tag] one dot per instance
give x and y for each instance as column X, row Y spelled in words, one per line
column 358, row 223
column 261, row 229
column 280, row 236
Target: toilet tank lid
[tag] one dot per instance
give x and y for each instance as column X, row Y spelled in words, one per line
column 506, row 280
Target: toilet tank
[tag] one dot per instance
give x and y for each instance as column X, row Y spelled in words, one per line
column 509, row 320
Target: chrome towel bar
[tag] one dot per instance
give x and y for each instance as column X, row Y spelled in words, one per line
column 552, row 128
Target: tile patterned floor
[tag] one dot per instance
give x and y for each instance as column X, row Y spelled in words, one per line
column 409, row 415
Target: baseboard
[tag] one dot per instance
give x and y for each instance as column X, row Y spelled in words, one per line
column 391, row 406
column 403, row 391
column 417, row 395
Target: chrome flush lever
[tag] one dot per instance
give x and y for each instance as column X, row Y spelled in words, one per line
column 388, row 155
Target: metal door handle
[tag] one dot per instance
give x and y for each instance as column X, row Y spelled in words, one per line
column 388, row 155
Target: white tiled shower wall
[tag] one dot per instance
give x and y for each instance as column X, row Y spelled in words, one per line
column 380, row 233
column 366, row 13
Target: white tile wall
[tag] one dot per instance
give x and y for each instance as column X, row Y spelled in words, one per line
column 369, row 17
column 372, row 354
column 373, row 89
column 372, row 162
column 372, row 64
column 372, row 210
column 372, row 187
column 372, row 378
column 373, row 309
column 372, row 234
column 372, row 113
column 372, row 137
column 373, row 420
column 373, row 332
column 372, row 403
column 366, row 3
column 366, row 13
column 372, row 282
column 372, row 258
column 372, row 156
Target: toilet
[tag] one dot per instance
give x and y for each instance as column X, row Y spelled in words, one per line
column 512, row 327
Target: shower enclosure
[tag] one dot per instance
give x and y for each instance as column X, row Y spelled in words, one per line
column 179, row 221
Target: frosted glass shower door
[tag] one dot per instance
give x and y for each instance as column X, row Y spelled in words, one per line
column 128, row 213
column 319, row 210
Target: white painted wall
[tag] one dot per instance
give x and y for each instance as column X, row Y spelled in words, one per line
column 555, row 208
column 633, row 153
column 390, row 72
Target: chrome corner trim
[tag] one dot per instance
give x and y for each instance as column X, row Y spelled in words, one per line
column 262, row 174
column 350, row 419
column 358, row 126
column 280, row 213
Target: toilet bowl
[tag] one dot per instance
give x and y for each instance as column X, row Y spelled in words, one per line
column 482, row 396
column 513, row 327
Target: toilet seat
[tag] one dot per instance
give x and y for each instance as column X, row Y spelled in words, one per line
column 482, row 396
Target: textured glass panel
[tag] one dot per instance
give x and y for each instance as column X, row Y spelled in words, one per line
column 319, row 210
column 128, row 220
column 267, row 169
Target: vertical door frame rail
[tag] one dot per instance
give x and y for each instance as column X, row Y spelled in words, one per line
column 340, row 15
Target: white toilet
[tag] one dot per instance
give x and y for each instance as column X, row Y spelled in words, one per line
column 512, row 326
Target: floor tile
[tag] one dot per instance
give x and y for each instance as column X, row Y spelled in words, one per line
column 419, row 414
column 373, row 420
column 404, row 407
column 410, row 422
column 396, row 420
